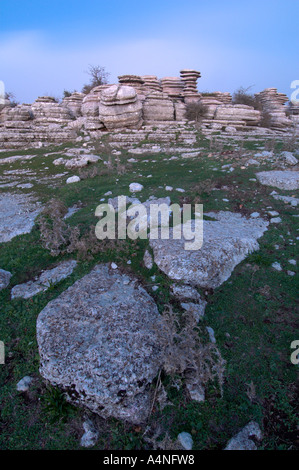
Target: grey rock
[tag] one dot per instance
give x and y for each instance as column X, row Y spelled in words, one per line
column 148, row 260
column 186, row 441
column 4, row 278
column 90, row 435
column 279, row 179
column 211, row 334
column 197, row 310
column 44, row 281
column 99, row 342
column 24, row 384
column 243, row 440
column 18, row 212
column 226, row 242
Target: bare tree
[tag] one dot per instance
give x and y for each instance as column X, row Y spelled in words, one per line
column 98, row 76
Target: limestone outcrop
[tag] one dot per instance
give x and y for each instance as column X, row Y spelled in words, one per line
column 158, row 107
column 120, row 108
column 273, row 104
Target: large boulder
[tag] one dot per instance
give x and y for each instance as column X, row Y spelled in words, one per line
column 99, row 342
column 226, row 242
column 282, row 179
column 120, row 108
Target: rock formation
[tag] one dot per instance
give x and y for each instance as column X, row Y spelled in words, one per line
column 158, row 107
column 273, row 104
column 189, row 77
column 120, row 108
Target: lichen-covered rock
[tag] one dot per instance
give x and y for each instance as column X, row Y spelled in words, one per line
column 284, row 179
column 4, row 278
column 226, row 242
column 244, row 439
column 99, row 342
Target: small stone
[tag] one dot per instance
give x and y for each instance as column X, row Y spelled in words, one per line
column 114, row 266
column 72, row 179
column 90, row 435
column 155, row 288
column 293, row 262
column 24, row 384
column 211, row 334
column 254, row 215
column 135, row 187
column 277, row 266
column 148, row 260
column 273, row 213
column 291, row 273
column 180, row 190
column 185, row 439
column 4, row 278
column 275, row 220
column 168, row 188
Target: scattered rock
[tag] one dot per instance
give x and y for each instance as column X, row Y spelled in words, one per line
column 90, row 435
column 4, row 278
column 277, row 266
column 44, row 281
column 244, row 439
column 135, row 187
column 211, row 334
column 226, row 242
column 279, row 179
column 24, row 384
column 72, row 179
column 148, row 260
column 185, row 439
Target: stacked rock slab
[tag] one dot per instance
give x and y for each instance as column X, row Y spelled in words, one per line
column 189, row 77
column 273, row 104
column 151, row 83
column 44, row 122
column 158, row 107
column 173, row 87
column 47, row 110
column 134, row 81
column 238, row 112
column 74, row 103
column 120, row 108
column 223, row 97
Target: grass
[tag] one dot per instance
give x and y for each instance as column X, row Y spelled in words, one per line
column 253, row 313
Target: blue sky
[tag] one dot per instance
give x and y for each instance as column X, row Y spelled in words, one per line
column 47, row 46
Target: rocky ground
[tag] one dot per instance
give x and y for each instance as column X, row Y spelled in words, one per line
column 140, row 344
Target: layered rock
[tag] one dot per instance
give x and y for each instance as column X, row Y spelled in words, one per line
column 273, row 104
column 238, row 112
column 74, row 103
column 173, row 87
column 158, row 107
column 120, row 108
column 46, row 110
column 189, row 77
column 134, row 81
column 99, row 342
column 151, row 83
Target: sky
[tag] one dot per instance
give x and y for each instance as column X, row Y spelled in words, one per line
column 46, row 47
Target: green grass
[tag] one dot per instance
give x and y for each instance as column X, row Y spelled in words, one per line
column 253, row 313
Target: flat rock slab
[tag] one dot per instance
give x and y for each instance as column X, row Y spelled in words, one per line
column 226, row 242
column 279, row 179
column 98, row 341
column 18, row 212
column 44, row 281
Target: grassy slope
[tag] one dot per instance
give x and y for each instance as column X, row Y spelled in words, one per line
column 253, row 313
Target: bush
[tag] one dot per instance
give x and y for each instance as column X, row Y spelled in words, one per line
column 195, row 111
column 241, row 96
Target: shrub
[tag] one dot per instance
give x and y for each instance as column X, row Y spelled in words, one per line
column 98, row 76
column 241, row 96
column 195, row 111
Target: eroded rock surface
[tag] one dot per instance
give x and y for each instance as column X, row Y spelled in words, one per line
column 99, row 342
column 226, row 242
